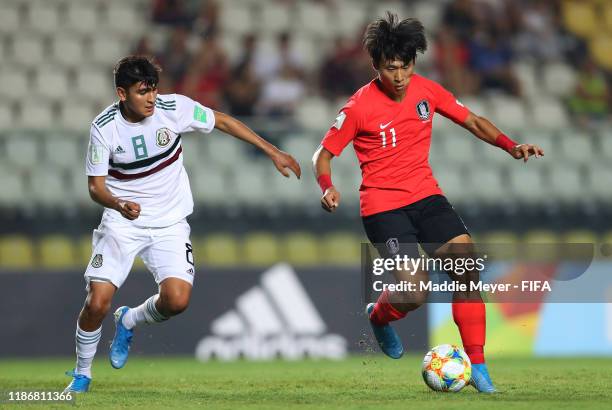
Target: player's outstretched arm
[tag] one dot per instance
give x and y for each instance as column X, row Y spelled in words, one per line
column 99, row 193
column 486, row 131
column 236, row 128
column 321, row 163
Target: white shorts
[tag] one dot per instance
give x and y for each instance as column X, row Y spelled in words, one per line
column 166, row 252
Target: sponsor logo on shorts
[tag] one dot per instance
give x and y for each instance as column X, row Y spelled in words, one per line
column 163, row 138
column 422, row 109
column 97, row 261
column 392, row 245
column 190, row 271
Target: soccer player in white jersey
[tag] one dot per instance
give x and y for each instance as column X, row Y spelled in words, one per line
column 135, row 170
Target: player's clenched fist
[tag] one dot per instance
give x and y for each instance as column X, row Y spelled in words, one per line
column 330, row 199
column 129, row 210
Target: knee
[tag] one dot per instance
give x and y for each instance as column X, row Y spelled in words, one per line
column 97, row 306
column 175, row 303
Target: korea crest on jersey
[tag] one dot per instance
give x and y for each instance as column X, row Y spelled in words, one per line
column 163, row 137
column 423, row 110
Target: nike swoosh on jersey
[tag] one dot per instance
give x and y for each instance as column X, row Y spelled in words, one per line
column 383, row 126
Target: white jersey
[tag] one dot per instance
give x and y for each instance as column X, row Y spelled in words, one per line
column 143, row 161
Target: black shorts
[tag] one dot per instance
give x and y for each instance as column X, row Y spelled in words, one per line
column 431, row 222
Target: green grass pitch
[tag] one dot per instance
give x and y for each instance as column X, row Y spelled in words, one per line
column 364, row 382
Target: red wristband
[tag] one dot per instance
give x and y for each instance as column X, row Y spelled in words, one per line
column 505, row 143
column 324, row 182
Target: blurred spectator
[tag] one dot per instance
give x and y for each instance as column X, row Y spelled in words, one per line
column 490, row 59
column 269, row 62
column 171, row 12
column 281, row 94
column 206, row 75
column 175, row 57
column 539, row 36
column 207, row 21
column 460, row 16
column 244, row 88
column 345, row 69
column 452, row 59
column 591, row 99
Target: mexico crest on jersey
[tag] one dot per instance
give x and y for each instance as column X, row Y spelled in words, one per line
column 422, row 109
column 163, row 137
column 97, row 261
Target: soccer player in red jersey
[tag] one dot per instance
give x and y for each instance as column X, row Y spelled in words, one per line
column 389, row 122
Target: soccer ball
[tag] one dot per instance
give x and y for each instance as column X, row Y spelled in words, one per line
column 447, row 368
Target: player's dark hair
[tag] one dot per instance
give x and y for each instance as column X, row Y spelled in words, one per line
column 389, row 38
column 134, row 69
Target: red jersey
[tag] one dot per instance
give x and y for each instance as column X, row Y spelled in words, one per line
column 392, row 139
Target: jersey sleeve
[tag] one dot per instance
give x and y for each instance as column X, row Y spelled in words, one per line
column 343, row 130
column 193, row 116
column 98, row 154
column 449, row 106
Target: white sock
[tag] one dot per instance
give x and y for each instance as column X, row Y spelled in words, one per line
column 145, row 313
column 86, row 345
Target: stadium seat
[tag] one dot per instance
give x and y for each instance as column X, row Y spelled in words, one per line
column 311, row 53
column 9, row 18
column 499, row 237
column 43, row 18
column 607, row 16
column 48, row 187
column 274, row 18
column 314, row 114
column 566, row 183
column 67, row 49
column 236, row 18
column 606, row 245
column 604, row 150
column 192, row 156
column 57, row 252
column 83, row 17
column 261, row 249
column 528, row 185
column 548, row 114
column 51, row 83
column 348, row 19
column 429, row 13
column 526, row 74
column 76, row 186
column 107, row 50
column 13, row 190
column 477, row 105
column 21, row 151
column 35, row 114
column 487, row 184
column 7, row 113
column 61, row 151
column 124, row 19
column 313, row 19
column 219, row 250
column 211, row 186
column 508, row 113
column 341, row 248
column 347, row 180
column 576, row 148
column 301, row 147
column 599, row 182
column 16, row 253
column 28, row 49
column 251, row 185
column 291, row 191
column 394, row 6
column 76, row 115
column 14, row 83
column 301, row 249
column 93, row 83
column 541, row 236
column 223, row 151
column 454, row 184
column 499, row 245
column 580, row 17
column 460, row 148
column 559, row 79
